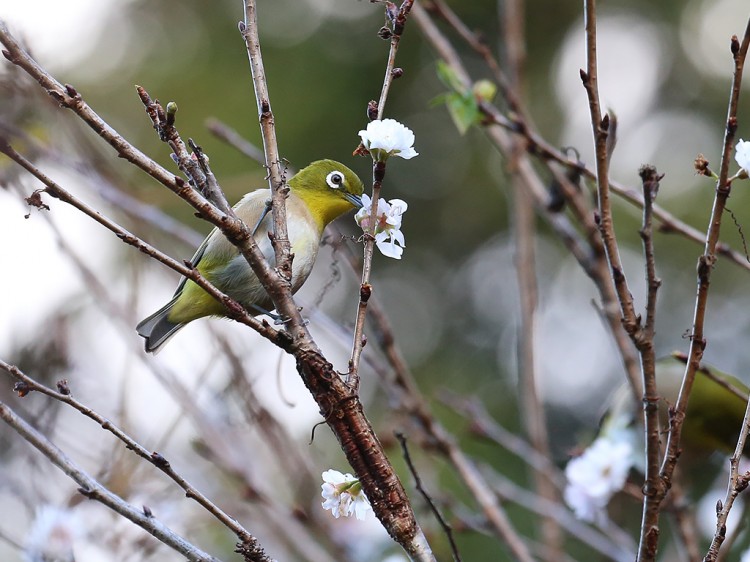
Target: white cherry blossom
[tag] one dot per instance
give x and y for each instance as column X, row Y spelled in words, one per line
column 387, row 225
column 388, row 137
column 343, row 495
column 595, row 476
column 742, row 155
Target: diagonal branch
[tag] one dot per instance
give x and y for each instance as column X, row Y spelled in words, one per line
column 338, row 404
column 698, row 342
column 591, row 256
column 234, row 310
column 92, row 489
column 155, row 458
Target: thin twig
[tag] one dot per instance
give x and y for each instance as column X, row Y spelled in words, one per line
column 365, row 288
column 279, row 191
column 418, row 483
column 515, row 48
column 705, row 265
column 154, row 458
column 105, row 188
column 739, row 528
column 737, row 483
column 600, row 127
column 739, row 393
column 230, row 136
column 92, row 489
column 644, row 341
column 67, row 96
column 378, row 174
column 399, row 23
column 591, row 259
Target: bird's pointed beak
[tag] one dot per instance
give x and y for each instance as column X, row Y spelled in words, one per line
column 355, row 200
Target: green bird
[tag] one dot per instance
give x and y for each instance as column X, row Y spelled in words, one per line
column 318, row 194
column 714, row 414
column 712, row 421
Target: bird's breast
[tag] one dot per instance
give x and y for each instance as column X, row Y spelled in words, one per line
column 304, row 239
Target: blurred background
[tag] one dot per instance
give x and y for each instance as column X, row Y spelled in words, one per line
column 73, row 292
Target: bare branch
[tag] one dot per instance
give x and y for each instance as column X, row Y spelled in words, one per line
column 93, row 490
column 398, row 21
column 591, row 258
column 643, row 338
column 425, row 494
column 234, row 309
column 154, row 458
column 706, row 264
column 277, row 183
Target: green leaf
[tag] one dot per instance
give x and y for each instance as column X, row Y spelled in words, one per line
column 464, row 111
column 449, row 77
column 440, row 99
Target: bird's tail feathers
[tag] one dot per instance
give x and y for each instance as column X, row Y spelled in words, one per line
column 157, row 328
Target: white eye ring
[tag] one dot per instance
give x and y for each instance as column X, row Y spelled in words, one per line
column 335, row 179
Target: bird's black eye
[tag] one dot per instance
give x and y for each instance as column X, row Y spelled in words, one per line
column 335, row 179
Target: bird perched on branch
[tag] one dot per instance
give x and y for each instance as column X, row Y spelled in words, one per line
column 318, row 194
column 712, row 422
column 714, row 414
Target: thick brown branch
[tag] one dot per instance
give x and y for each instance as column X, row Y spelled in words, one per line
column 354, row 432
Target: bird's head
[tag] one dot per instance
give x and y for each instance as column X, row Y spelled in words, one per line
column 328, row 188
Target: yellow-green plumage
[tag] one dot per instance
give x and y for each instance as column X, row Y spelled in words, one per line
column 714, row 414
column 712, row 422
column 318, row 194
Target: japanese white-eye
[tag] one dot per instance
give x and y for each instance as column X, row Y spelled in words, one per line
column 712, row 422
column 318, row 194
column 714, row 414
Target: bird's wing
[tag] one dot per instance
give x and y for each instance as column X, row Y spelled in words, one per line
column 194, row 261
column 249, row 203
